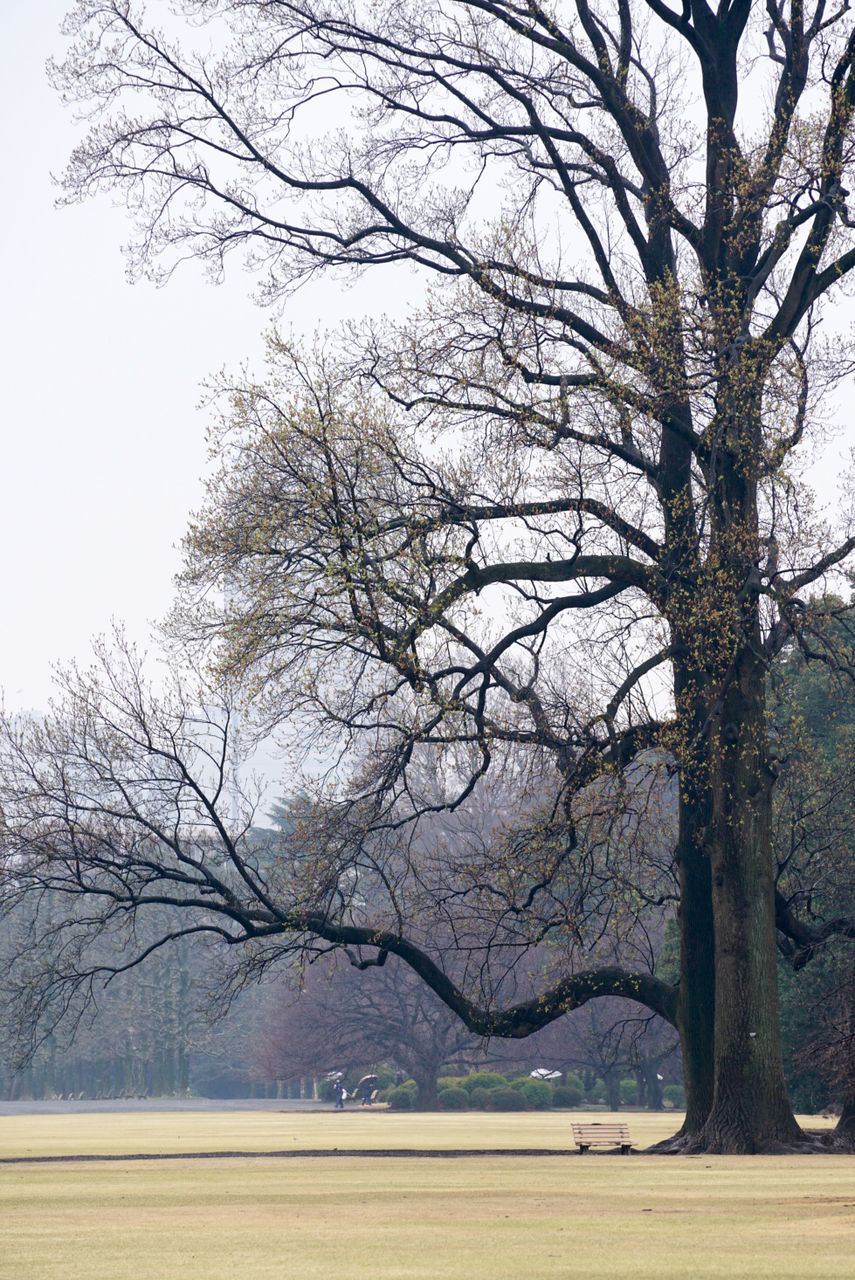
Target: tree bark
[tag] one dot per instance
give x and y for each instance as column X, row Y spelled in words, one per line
column 750, row 1109
column 427, row 1099
column 611, row 1079
column 696, row 996
column 844, row 1131
column 696, row 1001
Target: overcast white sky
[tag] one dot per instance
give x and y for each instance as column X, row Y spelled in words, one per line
column 103, row 444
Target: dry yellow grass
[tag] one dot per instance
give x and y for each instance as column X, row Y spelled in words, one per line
column 505, row 1218
column 190, row 1131
column 485, row 1218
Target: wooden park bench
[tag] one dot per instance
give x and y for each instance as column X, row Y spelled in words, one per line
column 606, row 1133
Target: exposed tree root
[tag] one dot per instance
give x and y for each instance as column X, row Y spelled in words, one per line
column 839, row 1140
column 820, row 1142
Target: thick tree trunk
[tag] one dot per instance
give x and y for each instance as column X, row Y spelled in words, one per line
column 844, row 1130
column 426, row 1099
column 750, row 1109
column 611, row 1079
column 696, row 1002
column 736, row 1096
column 649, row 1086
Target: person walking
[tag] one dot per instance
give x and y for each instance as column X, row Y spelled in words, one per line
column 366, row 1088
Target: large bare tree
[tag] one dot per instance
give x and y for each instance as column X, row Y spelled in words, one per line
column 559, row 509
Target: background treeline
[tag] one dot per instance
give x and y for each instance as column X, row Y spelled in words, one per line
column 152, row 1031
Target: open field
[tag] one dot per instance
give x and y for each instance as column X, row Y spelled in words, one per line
column 177, row 1132
column 482, row 1218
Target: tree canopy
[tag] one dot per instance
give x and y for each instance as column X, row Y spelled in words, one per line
column 551, row 524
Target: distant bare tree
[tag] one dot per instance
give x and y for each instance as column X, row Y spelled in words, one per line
column 343, row 1020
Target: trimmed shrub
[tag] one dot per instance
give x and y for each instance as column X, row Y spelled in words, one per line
column 451, row 1082
column 596, row 1095
column 629, row 1092
column 572, row 1081
column 480, row 1099
column 484, row 1080
column 326, row 1091
column 674, row 1096
column 453, row 1099
column 401, row 1098
column 565, row 1096
column 507, row 1099
column 538, row 1094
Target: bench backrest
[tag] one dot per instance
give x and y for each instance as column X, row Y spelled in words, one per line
column 587, row 1132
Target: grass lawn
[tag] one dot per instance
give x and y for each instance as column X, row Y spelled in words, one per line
column 484, row 1218
column 185, row 1131
column 113, row 1133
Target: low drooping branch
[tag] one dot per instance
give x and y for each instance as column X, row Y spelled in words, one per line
column 522, row 1019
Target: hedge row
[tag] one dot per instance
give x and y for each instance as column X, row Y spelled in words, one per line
column 489, row 1091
